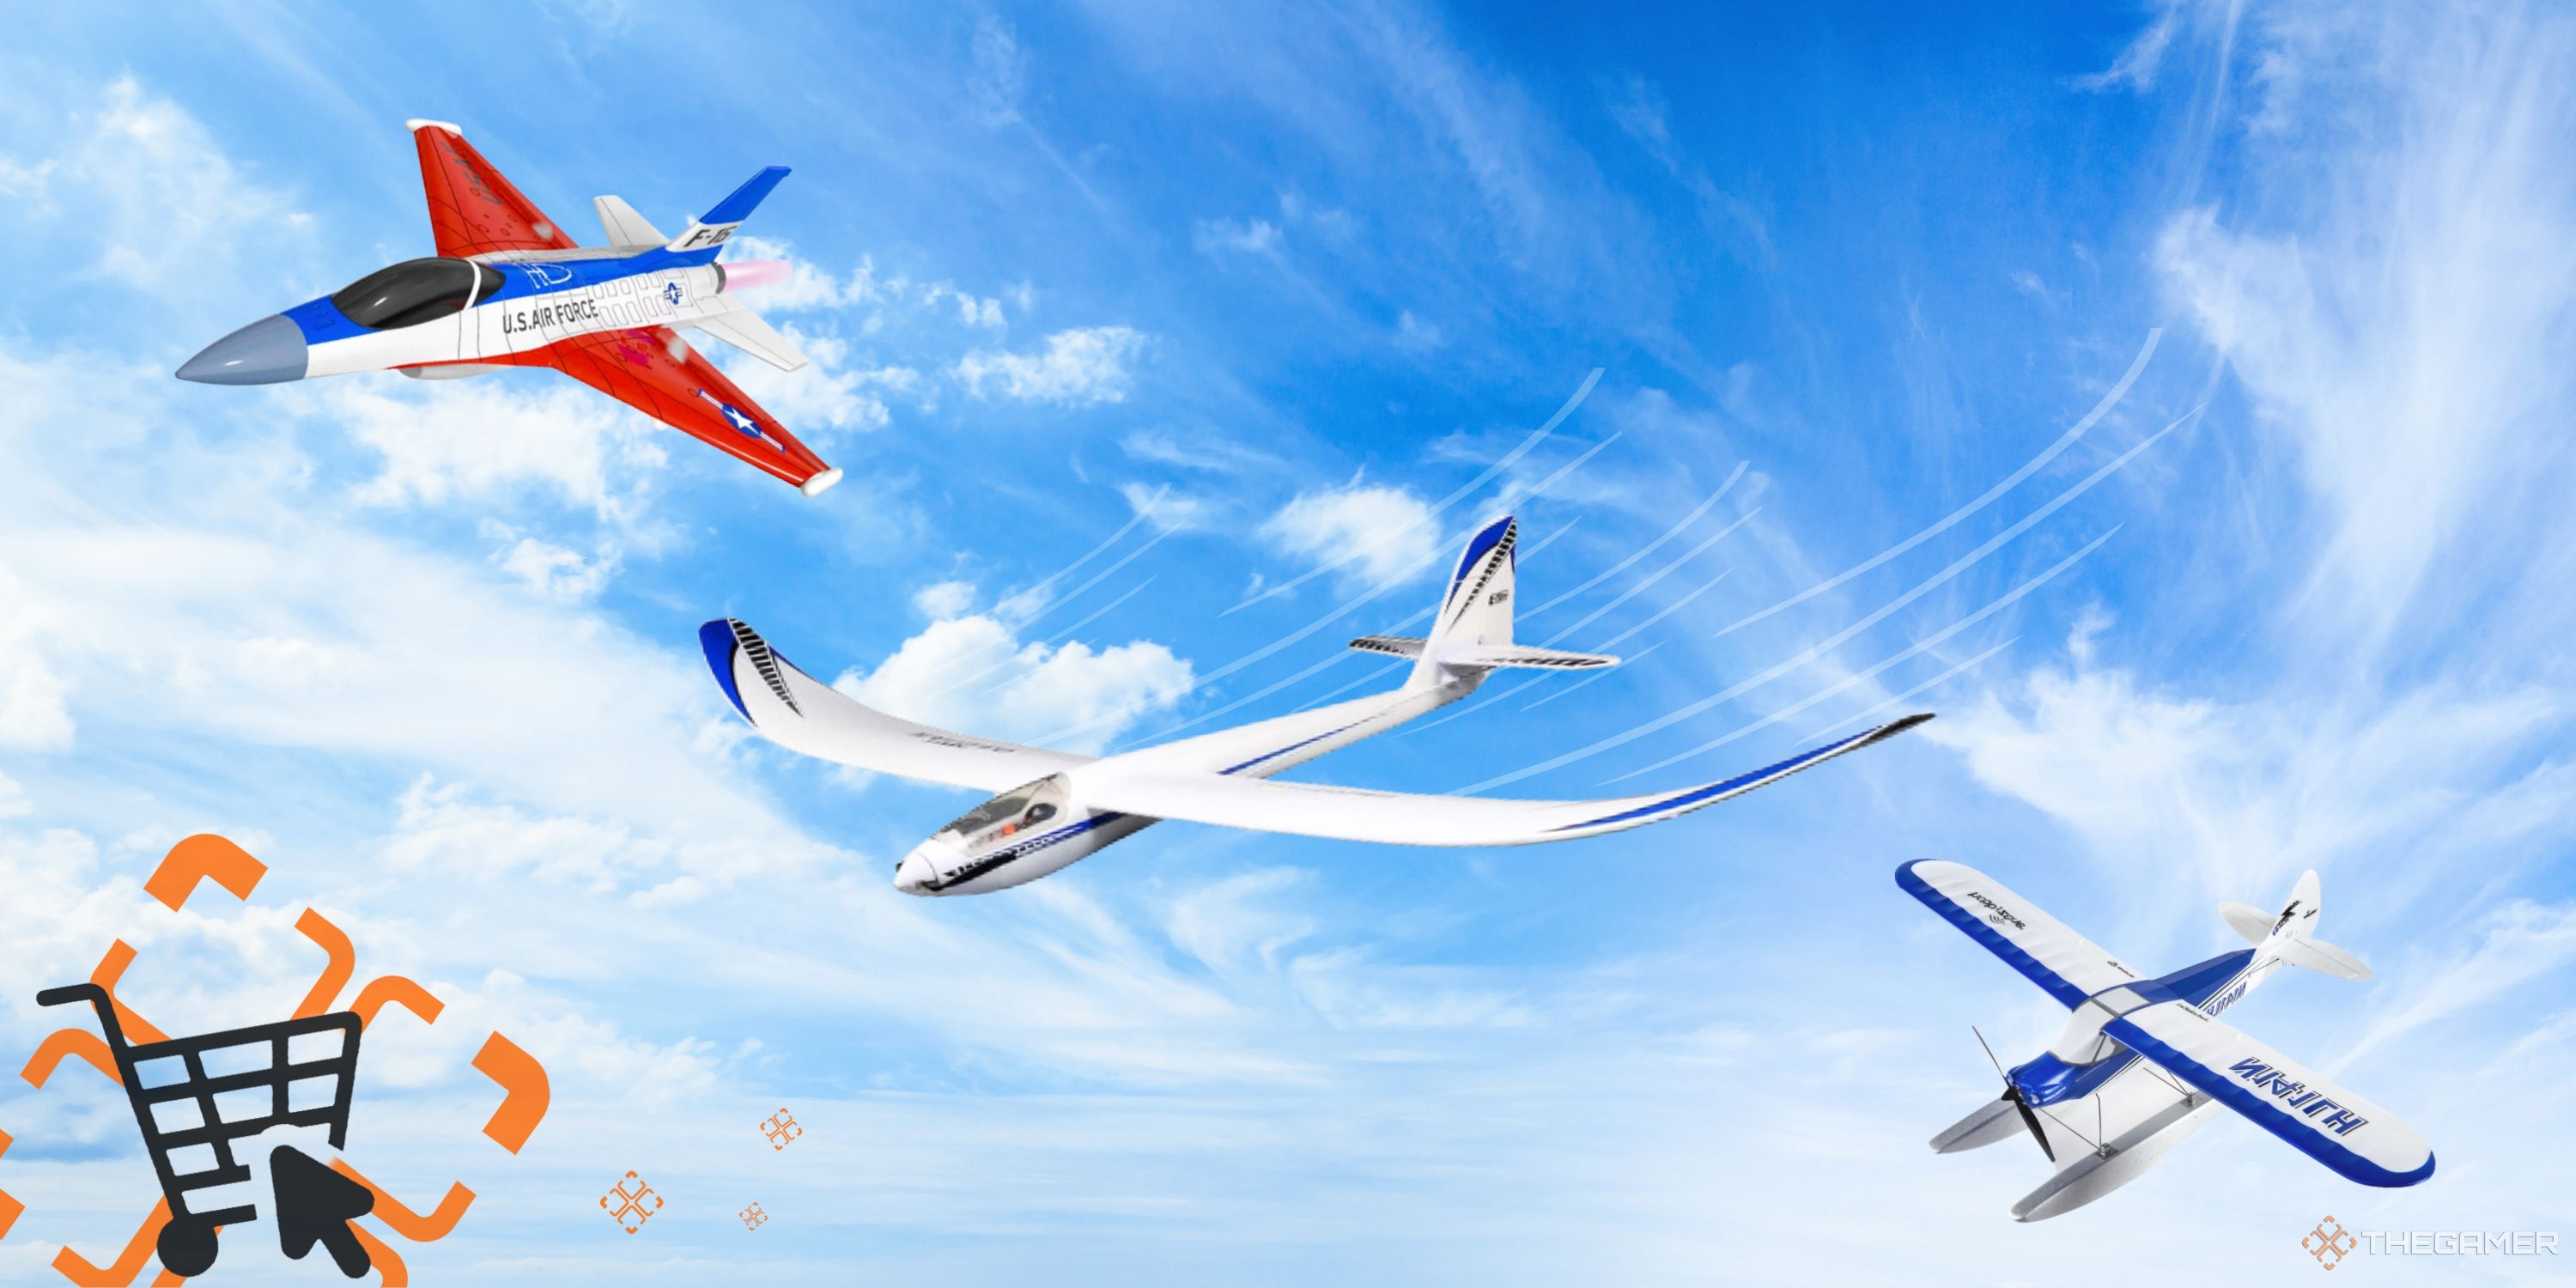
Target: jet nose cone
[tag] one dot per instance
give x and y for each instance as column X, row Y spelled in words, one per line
column 914, row 875
column 264, row 353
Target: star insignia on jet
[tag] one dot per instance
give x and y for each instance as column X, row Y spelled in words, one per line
column 672, row 293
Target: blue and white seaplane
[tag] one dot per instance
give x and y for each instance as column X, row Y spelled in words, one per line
column 2143, row 1063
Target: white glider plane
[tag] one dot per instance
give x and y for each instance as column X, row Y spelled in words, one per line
column 2150, row 1055
column 1055, row 807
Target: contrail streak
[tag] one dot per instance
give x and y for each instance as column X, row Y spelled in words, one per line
column 1650, row 547
column 1918, row 690
column 1383, row 670
column 1508, row 458
column 1838, row 638
column 1142, row 513
column 1652, row 577
column 1605, row 646
column 1401, row 576
column 1097, row 613
column 2064, row 441
column 1873, row 672
column 1664, row 612
column 1094, row 580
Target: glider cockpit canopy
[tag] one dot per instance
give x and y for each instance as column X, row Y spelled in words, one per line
column 1003, row 817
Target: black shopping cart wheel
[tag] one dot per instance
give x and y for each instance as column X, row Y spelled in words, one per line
column 187, row 1248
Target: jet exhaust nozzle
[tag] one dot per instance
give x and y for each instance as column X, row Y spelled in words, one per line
column 752, row 274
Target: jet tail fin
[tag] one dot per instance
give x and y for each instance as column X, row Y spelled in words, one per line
column 708, row 233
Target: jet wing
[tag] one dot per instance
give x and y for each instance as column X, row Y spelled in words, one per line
column 472, row 209
column 803, row 714
column 654, row 371
column 2356, row 1138
column 2070, row 967
column 1400, row 818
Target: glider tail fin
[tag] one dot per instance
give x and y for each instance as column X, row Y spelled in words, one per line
column 707, row 234
column 1472, row 632
column 2290, row 934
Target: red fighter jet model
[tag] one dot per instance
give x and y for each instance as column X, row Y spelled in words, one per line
column 509, row 288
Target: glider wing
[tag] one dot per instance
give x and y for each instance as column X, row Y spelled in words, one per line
column 2356, row 1138
column 803, row 714
column 2045, row 950
column 472, row 209
column 1353, row 814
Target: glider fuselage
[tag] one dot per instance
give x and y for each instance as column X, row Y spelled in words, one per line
column 1042, row 827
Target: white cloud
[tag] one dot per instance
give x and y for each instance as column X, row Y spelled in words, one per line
column 1385, row 531
column 34, row 712
column 556, row 572
column 944, row 599
column 2398, row 301
column 487, row 437
column 830, row 392
column 973, row 674
column 1166, row 509
column 971, row 310
column 2142, row 57
column 159, row 195
column 808, row 287
column 1201, row 449
column 1001, row 70
column 1413, row 335
column 1079, row 367
column 1242, row 237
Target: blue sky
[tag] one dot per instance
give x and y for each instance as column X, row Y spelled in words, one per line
column 1196, row 301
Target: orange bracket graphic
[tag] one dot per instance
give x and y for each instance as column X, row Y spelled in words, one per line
column 402, row 1220
column 129, row 1264
column 525, row 1093
column 200, row 858
column 394, row 988
column 64, row 1043
column 111, row 968
column 9, row 1207
column 335, row 974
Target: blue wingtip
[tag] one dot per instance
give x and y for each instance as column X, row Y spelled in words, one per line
column 738, row 207
column 716, row 640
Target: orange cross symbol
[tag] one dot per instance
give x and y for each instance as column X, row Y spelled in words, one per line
column 780, row 1128
column 630, row 1203
column 752, row 1217
column 2329, row 1243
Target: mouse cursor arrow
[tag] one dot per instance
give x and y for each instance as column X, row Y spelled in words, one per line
column 316, row 1205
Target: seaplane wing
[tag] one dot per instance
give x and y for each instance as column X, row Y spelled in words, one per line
column 654, row 371
column 1353, row 814
column 806, row 715
column 2356, row 1138
column 2045, row 950
column 472, row 209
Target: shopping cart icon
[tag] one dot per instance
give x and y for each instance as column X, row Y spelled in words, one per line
column 197, row 1098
